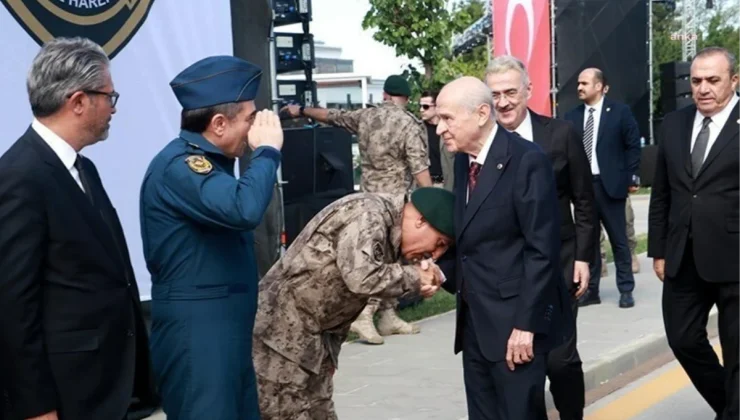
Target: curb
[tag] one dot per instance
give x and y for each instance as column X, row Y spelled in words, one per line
column 641, row 351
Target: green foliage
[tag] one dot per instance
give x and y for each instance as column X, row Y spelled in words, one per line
column 422, row 30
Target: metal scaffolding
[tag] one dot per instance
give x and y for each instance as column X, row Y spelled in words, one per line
column 689, row 29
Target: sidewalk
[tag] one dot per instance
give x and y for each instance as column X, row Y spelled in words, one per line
column 417, row 377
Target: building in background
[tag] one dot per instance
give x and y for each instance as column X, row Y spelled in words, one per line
column 337, row 85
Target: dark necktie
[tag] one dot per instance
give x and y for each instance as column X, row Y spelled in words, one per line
column 473, row 172
column 83, row 179
column 700, row 147
column 588, row 134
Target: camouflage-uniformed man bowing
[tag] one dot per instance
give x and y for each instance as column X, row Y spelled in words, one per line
column 347, row 253
column 393, row 154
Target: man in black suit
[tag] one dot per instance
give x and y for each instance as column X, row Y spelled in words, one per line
column 509, row 82
column 693, row 227
column 505, row 270
column 612, row 143
column 72, row 336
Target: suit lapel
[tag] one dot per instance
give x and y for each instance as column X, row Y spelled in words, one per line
column 605, row 111
column 688, row 129
column 729, row 131
column 540, row 128
column 461, row 188
column 496, row 161
column 92, row 216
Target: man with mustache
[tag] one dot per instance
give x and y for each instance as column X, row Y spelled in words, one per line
column 693, row 227
column 508, row 79
column 611, row 140
column 197, row 223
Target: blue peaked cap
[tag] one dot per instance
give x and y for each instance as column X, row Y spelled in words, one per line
column 216, row 80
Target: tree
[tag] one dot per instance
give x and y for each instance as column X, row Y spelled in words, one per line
column 421, row 29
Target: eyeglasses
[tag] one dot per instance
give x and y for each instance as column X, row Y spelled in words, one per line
column 510, row 94
column 425, row 106
column 112, row 96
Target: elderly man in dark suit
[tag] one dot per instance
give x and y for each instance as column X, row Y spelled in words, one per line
column 611, row 140
column 505, row 269
column 509, row 82
column 72, row 337
column 693, row 227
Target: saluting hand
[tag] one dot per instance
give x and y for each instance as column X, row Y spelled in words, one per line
column 266, row 131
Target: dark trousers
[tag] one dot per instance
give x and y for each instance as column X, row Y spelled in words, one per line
column 564, row 367
column 611, row 213
column 493, row 391
column 687, row 300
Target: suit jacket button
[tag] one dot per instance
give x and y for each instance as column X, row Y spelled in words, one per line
column 129, row 333
column 465, row 258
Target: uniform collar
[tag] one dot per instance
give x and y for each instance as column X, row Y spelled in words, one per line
column 198, row 141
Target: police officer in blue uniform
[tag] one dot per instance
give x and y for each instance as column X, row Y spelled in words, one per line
column 196, row 223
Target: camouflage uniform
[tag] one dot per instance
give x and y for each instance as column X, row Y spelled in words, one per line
column 349, row 252
column 393, row 148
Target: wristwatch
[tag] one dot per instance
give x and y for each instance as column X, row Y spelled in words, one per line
column 301, row 111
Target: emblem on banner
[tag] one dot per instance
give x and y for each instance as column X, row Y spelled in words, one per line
column 110, row 23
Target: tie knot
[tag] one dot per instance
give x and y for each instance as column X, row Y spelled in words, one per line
column 706, row 121
column 475, row 168
column 78, row 162
column 591, row 110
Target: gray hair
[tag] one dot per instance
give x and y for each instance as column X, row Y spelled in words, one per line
column 62, row 67
column 504, row 63
column 721, row 51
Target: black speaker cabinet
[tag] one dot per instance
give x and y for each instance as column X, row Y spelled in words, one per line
column 316, row 160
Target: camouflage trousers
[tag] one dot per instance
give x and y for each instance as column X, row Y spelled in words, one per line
column 631, row 238
column 289, row 392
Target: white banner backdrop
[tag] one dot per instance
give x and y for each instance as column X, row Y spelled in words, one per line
column 175, row 34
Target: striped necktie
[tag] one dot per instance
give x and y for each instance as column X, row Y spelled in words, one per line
column 588, row 134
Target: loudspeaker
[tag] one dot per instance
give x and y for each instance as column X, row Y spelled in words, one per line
column 675, row 86
column 648, row 157
column 612, row 36
column 316, row 160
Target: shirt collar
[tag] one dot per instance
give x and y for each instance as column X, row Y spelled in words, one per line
column 61, row 148
column 597, row 106
column 200, row 142
column 481, row 158
column 721, row 117
column 525, row 128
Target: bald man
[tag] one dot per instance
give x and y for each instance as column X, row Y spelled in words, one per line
column 611, row 139
column 506, row 267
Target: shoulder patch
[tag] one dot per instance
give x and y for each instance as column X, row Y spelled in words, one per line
column 378, row 252
column 199, row 164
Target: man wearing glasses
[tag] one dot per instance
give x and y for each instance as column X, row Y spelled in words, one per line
column 72, row 337
column 441, row 162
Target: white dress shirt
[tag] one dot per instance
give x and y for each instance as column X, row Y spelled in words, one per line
column 63, row 150
column 717, row 124
column 525, row 128
column 598, row 109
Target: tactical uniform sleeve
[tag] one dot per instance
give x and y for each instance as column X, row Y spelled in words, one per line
column 349, row 120
column 219, row 199
column 361, row 260
column 417, row 149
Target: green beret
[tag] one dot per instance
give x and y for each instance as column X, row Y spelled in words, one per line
column 397, row 86
column 437, row 206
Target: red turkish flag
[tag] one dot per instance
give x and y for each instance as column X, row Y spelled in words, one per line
column 522, row 28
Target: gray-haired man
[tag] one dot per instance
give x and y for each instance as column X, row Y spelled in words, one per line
column 72, row 337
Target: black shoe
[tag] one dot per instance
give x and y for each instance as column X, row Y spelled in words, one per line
column 626, row 300
column 589, row 298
